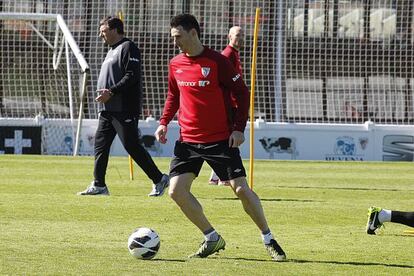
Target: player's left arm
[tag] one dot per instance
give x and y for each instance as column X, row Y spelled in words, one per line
column 233, row 81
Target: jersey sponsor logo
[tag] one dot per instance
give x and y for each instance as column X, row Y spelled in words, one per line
column 178, row 71
column 203, row 83
column 186, row 83
column 205, row 71
column 200, row 83
column 134, row 59
column 236, row 77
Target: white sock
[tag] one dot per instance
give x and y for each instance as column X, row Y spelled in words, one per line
column 212, row 236
column 267, row 237
column 384, row 216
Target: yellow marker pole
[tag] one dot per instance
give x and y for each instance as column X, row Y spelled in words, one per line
column 121, row 15
column 409, row 232
column 253, row 80
column 131, row 168
column 131, row 163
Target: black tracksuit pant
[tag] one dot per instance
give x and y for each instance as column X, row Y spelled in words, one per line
column 126, row 126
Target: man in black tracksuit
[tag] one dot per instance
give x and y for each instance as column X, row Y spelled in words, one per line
column 119, row 94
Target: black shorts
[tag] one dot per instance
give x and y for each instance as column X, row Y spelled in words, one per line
column 225, row 161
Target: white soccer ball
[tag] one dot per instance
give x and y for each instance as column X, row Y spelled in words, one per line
column 144, row 243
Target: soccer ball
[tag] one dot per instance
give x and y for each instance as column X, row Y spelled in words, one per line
column 144, row 243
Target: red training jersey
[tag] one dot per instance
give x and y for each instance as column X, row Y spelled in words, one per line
column 198, row 89
column 233, row 55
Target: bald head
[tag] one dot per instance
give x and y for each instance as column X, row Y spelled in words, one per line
column 236, row 37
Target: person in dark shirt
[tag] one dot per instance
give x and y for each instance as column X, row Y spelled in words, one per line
column 199, row 81
column 119, row 96
column 377, row 216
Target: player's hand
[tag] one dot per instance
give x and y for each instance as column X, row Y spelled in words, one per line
column 161, row 134
column 236, row 139
column 103, row 95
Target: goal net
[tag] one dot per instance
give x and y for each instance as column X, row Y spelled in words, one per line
column 318, row 61
column 348, row 61
column 42, row 78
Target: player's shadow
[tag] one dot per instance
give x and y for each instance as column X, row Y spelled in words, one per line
column 271, row 199
column 342, row 188
column 320, row 262
column 169, row 260
column 352, row 263
column 400, row 235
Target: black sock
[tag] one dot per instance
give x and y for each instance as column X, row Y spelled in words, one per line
column 406, row 218
column 158, row 180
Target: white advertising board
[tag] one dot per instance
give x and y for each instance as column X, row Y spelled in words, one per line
column 279, row 141
column 362, row 142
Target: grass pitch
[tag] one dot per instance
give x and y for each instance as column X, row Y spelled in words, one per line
column 317, row 210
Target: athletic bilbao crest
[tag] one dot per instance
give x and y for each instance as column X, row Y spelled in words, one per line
column 205, row 71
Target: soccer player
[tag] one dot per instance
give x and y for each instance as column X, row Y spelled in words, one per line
column 199, row 80
column 119, row 94
column 236, row 38
column 377, row 216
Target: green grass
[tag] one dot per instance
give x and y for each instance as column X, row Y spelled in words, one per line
column 316, row 209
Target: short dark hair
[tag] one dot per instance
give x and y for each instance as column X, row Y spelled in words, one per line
column 113, row 23
column 187, row 21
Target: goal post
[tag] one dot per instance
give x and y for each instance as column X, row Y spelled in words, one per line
column 34, row 70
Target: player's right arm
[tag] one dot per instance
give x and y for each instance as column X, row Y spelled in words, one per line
column 171, row 106
column 161, row 134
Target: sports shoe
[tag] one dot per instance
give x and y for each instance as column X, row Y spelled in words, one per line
column 159, row 188
column 275, row 251
column 373, row 223
column 209, row 247
column 95, row 190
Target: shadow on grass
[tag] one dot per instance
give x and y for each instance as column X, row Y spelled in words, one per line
column 244, row 259
column 270, row 199
column 168, row 260
column 403, row 235
column 351, row 263
column 320, row 262
column 341, row 188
